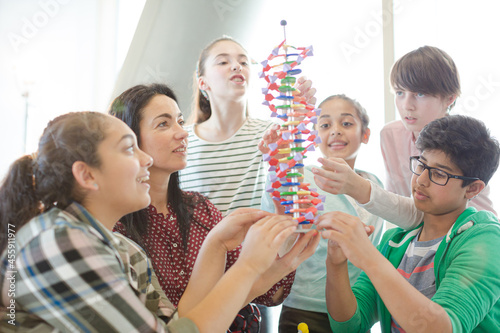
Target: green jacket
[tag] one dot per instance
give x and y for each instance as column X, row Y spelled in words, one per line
column 467, row 270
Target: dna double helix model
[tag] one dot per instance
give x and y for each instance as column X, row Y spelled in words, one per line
column 286, row 156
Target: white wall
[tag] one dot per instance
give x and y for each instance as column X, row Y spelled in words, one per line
column 65, row 55
column 469, row 33
column 171, row 35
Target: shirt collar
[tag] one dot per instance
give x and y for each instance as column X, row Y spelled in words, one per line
column 83, row 215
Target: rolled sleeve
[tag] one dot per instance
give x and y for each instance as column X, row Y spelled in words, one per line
column 393, row 208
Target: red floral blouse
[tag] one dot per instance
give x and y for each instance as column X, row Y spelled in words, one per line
column 173, row 265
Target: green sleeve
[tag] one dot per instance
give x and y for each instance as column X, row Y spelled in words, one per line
column 366, row 296
column 469, row 280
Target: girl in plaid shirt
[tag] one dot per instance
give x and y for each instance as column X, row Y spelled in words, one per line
column 62, row 269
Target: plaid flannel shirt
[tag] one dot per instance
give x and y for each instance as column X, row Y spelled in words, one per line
column 73, row 275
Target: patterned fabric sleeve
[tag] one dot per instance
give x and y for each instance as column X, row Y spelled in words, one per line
column 75, row 283
column 141, row 271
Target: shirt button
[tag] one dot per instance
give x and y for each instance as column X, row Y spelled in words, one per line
column 174, row 245
column 182, row 272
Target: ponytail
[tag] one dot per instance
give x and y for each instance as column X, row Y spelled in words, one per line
column 18, row 200
column 35, row 185
column 202, row 109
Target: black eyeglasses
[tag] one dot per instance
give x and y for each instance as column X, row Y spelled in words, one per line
column 437, row 176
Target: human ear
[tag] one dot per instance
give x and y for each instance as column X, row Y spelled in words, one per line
column 473, row 189
column 366, row 136
column 83, row 176
column 450, row 100
column 202, row 85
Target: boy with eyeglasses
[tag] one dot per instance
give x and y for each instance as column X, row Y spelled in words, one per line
column 444, row 275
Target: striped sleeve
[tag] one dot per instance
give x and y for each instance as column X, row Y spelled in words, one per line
column 230, row 173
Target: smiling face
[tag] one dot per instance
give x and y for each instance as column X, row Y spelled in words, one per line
column 123, row 172
column 417, row 109
column 226, row 71
column 340, row 130
column 162, row 134
column 435, row 199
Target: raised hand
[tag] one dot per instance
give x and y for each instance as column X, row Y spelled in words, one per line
column 305, row 87
column 337, row 177
column 303, row 247
column 270, row 136
column 232, row 229
column 264, row 239
column 305, row 90
column 348, row 238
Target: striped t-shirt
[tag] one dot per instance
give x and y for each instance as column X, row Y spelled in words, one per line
column 417, row 267
column 230, row 173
